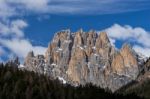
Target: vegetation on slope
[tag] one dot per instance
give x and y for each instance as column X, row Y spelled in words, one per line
column 141, row 89
column 22, row 84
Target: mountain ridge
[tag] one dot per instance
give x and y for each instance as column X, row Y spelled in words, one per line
column 86, row 57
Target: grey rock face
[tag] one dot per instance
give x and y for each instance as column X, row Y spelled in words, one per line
column 82, row 58
column 35, row 63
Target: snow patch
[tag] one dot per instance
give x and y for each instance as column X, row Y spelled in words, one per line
column 63, row 80
column 81, row 48
column 67, row 41
column 45, row 69
column 104, row 67
column 125, row 75
column 57, row 51
column 53, row 64
column 85, row 46
column 89, row 64
column 21, row 65
column 96, row 54
column 60, row 49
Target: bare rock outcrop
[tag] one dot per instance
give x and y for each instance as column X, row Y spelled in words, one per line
column 125, row 62
column 86, row 57
column 35, row 63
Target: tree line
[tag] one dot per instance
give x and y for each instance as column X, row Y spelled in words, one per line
column 22, row 84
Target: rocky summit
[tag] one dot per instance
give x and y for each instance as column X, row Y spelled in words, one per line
column 86, row 57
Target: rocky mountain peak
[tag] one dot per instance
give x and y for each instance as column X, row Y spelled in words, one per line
column 102, row 40
column 91, row 38
column 78, row 40
column 125, row 62
column 103, row 36
column 86, row 57
column 130, row 58
column 126, row 47
column 29, row 56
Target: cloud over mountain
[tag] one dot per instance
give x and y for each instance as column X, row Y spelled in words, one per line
column 14, row 28
column 138, row 36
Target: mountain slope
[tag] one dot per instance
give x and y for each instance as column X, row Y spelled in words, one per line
column 141, row 86
column 22, row 84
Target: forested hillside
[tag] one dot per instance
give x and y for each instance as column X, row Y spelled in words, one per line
column 22, row 84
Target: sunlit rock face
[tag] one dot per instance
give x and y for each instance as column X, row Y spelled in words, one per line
column 86, row 57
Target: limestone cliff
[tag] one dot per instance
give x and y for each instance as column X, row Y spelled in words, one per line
column 86, row 57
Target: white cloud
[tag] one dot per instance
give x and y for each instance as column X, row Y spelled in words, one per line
column 12, row 31
column 6, row 10
column 17, row 26
column 10, row 8
column 13, row 28
column 138, row 35
column 144, row 50
column 96, row 6
column 21, row 47
column 112, row 41
column 38, row 5
column 12, row 38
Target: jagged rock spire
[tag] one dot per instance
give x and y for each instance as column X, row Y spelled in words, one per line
column 102, row 40
column 78, row 40
column 28, row 58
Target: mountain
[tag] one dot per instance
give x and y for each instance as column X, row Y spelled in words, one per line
column 141, row 86
column 87, row 57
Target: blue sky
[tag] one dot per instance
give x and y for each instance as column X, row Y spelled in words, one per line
column 28, row 25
